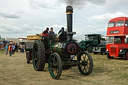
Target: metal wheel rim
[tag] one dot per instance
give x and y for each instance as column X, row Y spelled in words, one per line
column 84, row 58
column 35, row 56
column 53, row 66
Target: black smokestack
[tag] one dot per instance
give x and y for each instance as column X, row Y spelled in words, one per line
column 69, row 11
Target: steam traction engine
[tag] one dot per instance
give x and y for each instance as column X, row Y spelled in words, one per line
column 58, row 50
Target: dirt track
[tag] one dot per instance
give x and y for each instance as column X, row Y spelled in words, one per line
column 15, row 71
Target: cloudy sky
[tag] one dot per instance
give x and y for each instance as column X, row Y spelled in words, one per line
column 19, row 18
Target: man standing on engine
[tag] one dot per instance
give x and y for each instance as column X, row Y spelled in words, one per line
column 45, row 32
column 51, row 31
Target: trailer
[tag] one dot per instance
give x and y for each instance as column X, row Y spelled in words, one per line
column 29, row 46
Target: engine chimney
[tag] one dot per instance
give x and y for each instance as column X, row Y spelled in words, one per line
column 69, row 11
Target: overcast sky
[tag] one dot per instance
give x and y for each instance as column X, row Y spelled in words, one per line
column 19, row 18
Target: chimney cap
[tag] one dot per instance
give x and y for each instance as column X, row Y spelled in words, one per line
column 69, row 9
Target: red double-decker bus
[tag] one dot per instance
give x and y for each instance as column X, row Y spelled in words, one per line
column 117, row 38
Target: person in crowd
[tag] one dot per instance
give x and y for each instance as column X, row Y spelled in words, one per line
column 13, row 48
column 51, row 32
column 6, row 49
column 16, row 47
column 10, row 50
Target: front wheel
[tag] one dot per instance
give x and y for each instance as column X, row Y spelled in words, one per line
column 85, row 63
column 108, row 56
column 55, row 66
column 125, row 57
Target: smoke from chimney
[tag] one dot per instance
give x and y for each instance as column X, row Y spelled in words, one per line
column 79, row 4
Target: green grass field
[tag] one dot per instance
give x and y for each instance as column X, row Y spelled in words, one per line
column 15, row 71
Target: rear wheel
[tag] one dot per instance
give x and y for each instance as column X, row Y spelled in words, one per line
column 55, row 66
column 28, row 56
column 85, row 63
column 89, row 49
column 38, row 56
